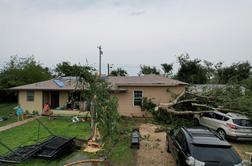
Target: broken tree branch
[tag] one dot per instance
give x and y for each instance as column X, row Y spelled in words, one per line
column 203, row 105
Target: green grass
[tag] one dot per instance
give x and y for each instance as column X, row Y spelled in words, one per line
column 27, row 134
column 121, row 153
column 6, row 109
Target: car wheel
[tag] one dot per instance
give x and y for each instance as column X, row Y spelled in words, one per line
column 222, row 133
column 196, row 122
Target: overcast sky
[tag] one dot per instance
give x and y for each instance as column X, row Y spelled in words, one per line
column 131, row 32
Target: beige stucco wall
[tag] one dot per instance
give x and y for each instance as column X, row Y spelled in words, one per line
column 157, row 94
column 30, row 105
column 63, row 98
column 37, row 104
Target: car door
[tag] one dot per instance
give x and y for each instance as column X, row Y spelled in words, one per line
column 179, row 147
column 206, row 119
column 217, row 121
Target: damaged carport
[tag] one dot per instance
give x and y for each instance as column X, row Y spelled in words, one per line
column 50, row 148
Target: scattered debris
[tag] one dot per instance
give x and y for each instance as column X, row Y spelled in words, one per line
column 93, row 147
column 160, row 129
column 150, row 153
column 52, row 147
column 3, row 118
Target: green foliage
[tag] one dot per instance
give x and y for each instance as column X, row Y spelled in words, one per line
column 66, row 69
column 196, row 71
column 119, row 72
column 145, row 70
column 147, row 105
column 104, row 107
column 20, row 71
column 191, row 71
column 167, row 68
column 234, row 73
column 234, row 97
column 118, row 149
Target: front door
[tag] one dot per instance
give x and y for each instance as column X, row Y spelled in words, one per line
column 54, row 99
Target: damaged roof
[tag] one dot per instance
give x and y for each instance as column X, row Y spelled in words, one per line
column 145, row 80
column 64, row 83
column 70, row 83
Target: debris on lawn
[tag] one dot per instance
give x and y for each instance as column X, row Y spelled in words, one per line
column 92, row 145
column 3, row 118
column 52, row 147
column 160, row 129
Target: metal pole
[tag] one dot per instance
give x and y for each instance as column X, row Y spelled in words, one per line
column 108, row 69
column 49, row 131
column 9, row 149
column 100, row 53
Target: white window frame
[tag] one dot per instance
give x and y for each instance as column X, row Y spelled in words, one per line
column 134, row 96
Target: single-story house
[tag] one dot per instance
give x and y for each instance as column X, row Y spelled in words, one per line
column 129, row 90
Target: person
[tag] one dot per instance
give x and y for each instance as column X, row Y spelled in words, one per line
column 47, row 111
column 19, row 112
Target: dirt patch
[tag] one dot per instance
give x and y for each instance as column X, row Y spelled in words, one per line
column 153, row 147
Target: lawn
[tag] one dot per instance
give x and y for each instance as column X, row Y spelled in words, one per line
column 6, row 109
column 121, row 153
column 27, row 134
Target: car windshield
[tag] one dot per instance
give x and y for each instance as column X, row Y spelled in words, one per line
column 224, row 155
column 243, row 122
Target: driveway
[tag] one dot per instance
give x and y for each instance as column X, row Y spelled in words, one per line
column 153, row 147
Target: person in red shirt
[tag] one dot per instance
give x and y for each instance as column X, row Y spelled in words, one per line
column 47, row 111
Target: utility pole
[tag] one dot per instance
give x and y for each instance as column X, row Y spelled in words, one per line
column 100, row 53
column 109, row 67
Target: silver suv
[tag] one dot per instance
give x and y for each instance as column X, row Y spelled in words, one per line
column 230, row 125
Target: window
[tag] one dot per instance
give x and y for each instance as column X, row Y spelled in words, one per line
column 179, row 137
column 138, row 97
column 215, row 154
column 181, row 140
column 208, row 114
column 218, row 117
column 30, row 95
column 243, row 122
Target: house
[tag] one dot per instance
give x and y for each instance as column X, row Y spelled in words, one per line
column 129, row 90
column 55, row 92
column 133, row 88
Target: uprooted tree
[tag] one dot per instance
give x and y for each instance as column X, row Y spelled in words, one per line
column 95, row 91
column 230, row 98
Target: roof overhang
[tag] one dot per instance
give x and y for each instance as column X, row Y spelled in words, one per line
column 148, row 85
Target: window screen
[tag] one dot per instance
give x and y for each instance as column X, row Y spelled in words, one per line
column 138, row 97
column 30, row 95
